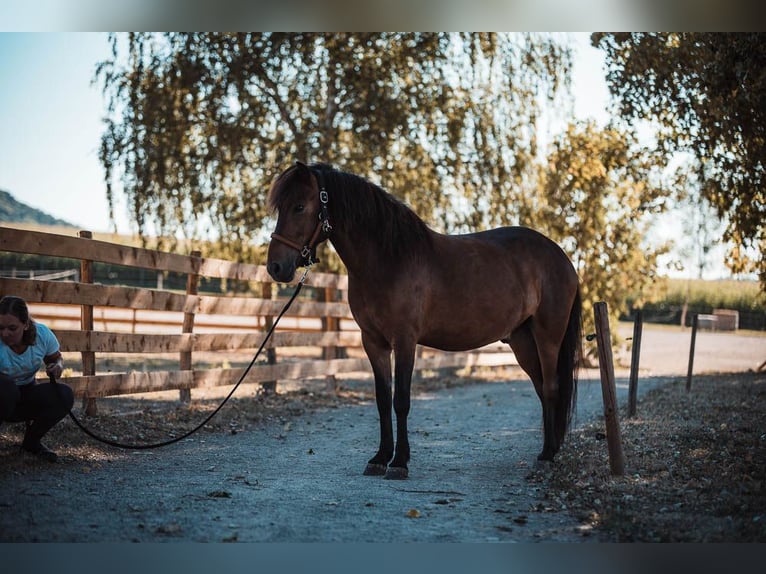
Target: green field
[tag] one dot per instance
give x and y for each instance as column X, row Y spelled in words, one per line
column 701, row 296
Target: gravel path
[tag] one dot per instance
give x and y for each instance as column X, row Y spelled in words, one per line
column 473, row 448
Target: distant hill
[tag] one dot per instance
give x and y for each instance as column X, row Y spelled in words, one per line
column 14, row 211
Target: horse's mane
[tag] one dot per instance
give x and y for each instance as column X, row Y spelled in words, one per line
column 355, row 202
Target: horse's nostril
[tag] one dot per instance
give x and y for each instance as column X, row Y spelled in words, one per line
column 274, row 268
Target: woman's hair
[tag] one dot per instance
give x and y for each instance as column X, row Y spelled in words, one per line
column 16, row 306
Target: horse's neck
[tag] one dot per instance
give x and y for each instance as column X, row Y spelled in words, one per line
column 359, row 255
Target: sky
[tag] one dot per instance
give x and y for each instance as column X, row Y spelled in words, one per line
column 50, row 118
column 51, row 122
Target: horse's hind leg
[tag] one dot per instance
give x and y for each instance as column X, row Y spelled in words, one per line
column 524, row 347
column 555, row 403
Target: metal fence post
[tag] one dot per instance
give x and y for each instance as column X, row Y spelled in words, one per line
column 635, row 357
column 695, row 322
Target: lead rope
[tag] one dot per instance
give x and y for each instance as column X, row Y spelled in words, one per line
column 91, row 434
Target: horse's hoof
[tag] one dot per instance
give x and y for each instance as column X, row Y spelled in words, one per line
column 375, row 469
column 543, row 464
column 396, row 473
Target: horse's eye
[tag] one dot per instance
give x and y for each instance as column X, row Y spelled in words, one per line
column 299, row 208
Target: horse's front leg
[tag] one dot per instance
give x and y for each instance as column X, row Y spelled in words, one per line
column 405, row 362
column 380, row 360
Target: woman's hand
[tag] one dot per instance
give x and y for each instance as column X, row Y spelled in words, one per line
column 55, row 369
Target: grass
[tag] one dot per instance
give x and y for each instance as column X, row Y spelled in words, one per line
column 678, row 328
column 721, row 294
column 699, row 296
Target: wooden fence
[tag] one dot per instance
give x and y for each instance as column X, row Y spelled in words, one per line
column 93, row 320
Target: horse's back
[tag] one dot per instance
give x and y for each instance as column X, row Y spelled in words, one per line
column 516, row 236
column 518, row 250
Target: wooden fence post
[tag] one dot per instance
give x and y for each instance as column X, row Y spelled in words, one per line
column 267, row 292
column 635, row 357
column 417, row 374
column 606, row 365
column 326, row 295
column 695, row 321
column 86, row 324
column 185, row 359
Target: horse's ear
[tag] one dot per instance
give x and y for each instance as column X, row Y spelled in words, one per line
column 302, row 170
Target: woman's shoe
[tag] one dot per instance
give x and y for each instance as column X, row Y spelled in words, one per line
column 41, row 451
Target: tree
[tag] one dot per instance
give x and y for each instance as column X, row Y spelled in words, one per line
column 199, row 124
column 596, row 197
column 701, row 228
column 706, row 94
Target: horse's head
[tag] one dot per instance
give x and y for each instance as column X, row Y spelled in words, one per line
column 301, row 223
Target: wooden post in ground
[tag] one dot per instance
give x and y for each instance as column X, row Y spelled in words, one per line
column 185, row 359
column 271, row 352
column 606, row 365
column 329, row 324
column 417, row 374
column 635, row 356
column 86, row 324
column 695, row 321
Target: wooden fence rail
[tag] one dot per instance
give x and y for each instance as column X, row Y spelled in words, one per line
column 96, row 320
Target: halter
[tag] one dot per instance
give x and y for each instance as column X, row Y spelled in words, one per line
column 308, row 251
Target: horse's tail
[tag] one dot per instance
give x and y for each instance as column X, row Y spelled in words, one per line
column 567, row 369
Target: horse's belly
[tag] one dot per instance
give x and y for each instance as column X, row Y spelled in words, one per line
column 448, row 345
column 460, row 321
column 464, row 337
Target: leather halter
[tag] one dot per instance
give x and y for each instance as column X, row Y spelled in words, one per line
column 308, row 250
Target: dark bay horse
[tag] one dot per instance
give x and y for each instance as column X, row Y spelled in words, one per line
column 409, row 285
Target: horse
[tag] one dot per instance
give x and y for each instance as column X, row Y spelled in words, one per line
column 410, row 285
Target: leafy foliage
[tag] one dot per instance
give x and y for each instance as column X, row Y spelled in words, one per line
column 199, row 124
column 596, row 198
column 707, row 95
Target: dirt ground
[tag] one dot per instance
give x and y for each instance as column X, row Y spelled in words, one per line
column 695, row 467
column 695, row 461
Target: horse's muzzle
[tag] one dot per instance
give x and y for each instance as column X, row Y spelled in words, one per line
column 281, row 272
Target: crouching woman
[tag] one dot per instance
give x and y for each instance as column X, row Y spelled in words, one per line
column 25, row 346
